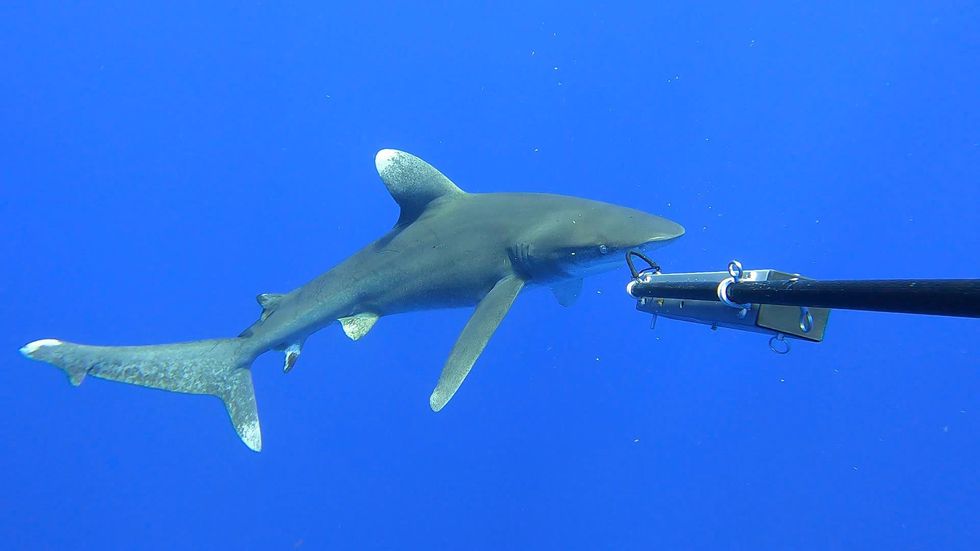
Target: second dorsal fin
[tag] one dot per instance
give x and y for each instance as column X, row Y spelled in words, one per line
column 268, row 302
column 412, row 182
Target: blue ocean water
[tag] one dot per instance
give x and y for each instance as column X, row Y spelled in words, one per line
column 161, row 165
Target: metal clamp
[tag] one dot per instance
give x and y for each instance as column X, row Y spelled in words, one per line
column 704, row 297
column 735, row 272
column 640, row 276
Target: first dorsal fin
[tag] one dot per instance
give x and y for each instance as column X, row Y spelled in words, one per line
column 412, row 182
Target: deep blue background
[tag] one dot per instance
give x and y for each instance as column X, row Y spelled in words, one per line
column 161, row 166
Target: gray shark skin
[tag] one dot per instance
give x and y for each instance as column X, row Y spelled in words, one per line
column 449, row 249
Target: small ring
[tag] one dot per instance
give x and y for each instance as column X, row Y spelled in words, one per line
column 779, row 338
column 806, row 319
column 735, row 270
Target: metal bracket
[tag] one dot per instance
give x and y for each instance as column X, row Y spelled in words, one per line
column 780, row 322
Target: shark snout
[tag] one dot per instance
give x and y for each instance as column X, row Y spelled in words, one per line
column 663, row 231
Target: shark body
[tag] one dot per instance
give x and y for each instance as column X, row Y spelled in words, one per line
column 448, row 249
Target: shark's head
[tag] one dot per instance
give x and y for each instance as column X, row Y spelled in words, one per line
column 588, row 237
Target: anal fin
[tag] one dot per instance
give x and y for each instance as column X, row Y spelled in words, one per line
column 292, row 354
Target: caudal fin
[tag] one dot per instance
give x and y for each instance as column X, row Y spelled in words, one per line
column 218, row 367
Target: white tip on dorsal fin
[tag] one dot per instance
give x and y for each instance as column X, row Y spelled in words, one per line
column 412, row 182
column 267, row 300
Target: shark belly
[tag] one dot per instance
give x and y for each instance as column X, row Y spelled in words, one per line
column 402, row 275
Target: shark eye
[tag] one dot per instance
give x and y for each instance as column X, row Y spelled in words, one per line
column 603, row 249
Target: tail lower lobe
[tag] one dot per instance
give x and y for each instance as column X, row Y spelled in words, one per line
column 219, row 367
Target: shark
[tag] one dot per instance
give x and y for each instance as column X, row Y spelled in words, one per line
column 448, row 249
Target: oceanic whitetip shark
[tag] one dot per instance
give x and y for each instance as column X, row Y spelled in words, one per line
column 448, row 249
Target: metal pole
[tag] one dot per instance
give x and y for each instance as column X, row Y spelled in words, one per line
column 942, row 297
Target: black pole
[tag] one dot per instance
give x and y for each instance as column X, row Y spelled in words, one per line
column 941, row 297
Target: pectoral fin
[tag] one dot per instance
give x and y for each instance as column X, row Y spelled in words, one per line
column 567, row 291
column 484, row 321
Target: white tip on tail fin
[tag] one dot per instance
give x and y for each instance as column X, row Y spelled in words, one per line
column 47, row 350
column 33, row 347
